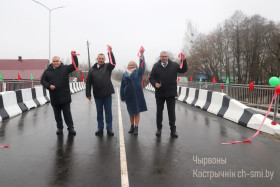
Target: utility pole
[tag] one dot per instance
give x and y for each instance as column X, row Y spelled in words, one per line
column 88, row 55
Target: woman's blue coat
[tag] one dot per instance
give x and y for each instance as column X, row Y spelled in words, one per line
column 131, row 90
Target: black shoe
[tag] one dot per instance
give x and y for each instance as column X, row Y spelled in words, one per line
column 131, row 129
column 110, row 132
column 59, row 131
column 99, row 132
column 72, row 132
column 135, row 130
column 158, row 133
column 174, row 134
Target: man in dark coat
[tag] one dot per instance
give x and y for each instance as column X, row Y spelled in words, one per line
column 56, row 79
column 99, row 78
column 164, row 80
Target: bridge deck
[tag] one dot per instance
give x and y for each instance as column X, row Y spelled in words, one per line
column 38, row 157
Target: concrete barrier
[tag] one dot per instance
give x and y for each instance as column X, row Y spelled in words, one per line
column 224, row 106
column 40, row 95
column 178, row 91
column 208, row 100
column 34, row 97
column 46, row 95
column 202, row 98
column 216, row 103
column 3, row 113
column 71, row 88
column 236, row 108
column 10, row 103
column 20, row 103
column 84, row 85
column 182, row 94
column 77, row 86
column 16, row 102
column 255, row 121
column 74, row 87
column 191, row 95
column 27, row 98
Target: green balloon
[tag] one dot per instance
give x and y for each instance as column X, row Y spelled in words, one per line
column 274, row 81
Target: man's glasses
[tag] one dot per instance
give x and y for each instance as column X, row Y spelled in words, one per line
column 164, row 56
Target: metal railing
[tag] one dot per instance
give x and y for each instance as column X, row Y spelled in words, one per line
column 16, row 85
column 260, row 97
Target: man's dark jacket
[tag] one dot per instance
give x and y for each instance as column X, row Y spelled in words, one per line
column 59, row 77
column 167, row 77
column 100, row 80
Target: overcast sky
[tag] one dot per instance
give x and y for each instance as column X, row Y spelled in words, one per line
column 124, row 24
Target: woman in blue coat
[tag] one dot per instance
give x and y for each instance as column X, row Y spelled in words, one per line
column 132, row 92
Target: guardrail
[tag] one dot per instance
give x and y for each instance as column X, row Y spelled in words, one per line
column 13, row 85
column 260, row 97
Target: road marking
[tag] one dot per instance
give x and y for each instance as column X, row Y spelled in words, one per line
column 124, row 173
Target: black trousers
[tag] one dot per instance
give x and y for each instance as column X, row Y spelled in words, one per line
column 65, row 108
column 170, row 102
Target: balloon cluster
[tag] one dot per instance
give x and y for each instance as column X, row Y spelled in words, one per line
column 275, row 82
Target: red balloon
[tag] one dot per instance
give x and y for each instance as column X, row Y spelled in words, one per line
column 277, row 89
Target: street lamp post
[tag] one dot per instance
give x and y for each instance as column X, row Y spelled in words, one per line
column 50, row 10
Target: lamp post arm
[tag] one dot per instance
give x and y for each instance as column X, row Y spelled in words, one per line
column 42, row 5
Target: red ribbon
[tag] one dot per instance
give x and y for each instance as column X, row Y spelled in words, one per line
column 141, row 49
column 4, row 146
column 110, row 57
column 249, row 139
column 180, row 56
column 222, row 87
column 73, row 53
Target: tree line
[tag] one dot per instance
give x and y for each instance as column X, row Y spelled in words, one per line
column 243, row 48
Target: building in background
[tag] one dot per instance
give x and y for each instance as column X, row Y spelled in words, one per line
column 10, row 68
column 21, row 73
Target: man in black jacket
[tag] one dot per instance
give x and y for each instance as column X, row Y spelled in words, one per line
column 56, row 79
column 164, row 79
column 99, row 78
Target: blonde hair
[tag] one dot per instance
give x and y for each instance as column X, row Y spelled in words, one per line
column 133, row 63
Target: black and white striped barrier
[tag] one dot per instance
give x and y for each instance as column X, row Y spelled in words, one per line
column 76, row 87
column 13, row 103
column 224, row 106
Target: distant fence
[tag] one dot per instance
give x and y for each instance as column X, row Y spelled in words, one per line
column 18, row 84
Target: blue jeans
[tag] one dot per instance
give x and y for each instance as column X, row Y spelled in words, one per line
column 105, row 102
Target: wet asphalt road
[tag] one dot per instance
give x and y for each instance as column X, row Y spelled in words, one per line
column 38, row 157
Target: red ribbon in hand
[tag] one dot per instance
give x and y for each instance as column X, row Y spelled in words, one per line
column 4, row 146
column 73, row 53
column 141, row 49
column 181, row 55
column 110, row 57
